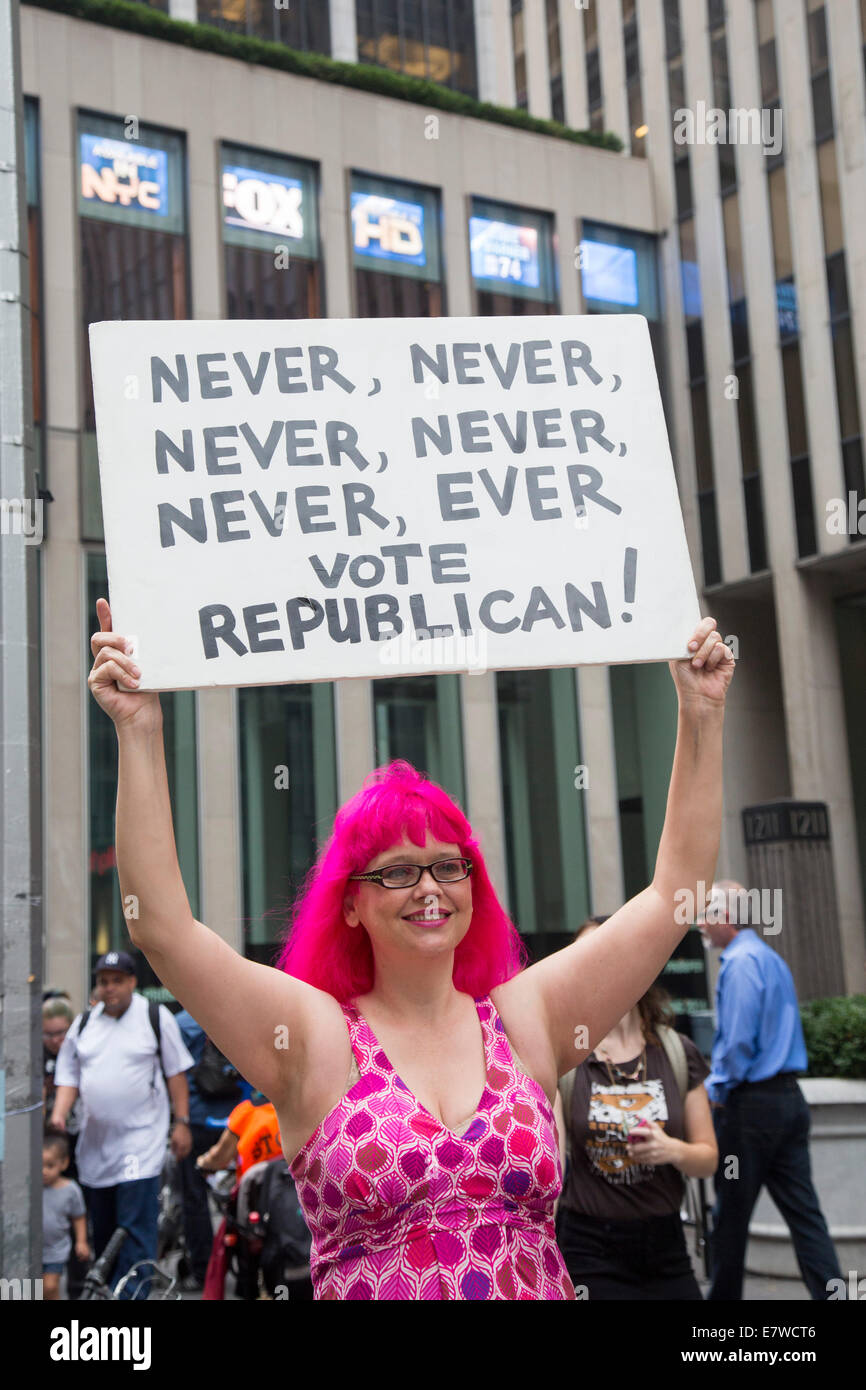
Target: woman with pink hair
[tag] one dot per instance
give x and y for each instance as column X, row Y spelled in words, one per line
column 411, row 1056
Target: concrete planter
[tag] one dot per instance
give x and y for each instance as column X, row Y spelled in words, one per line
column 838, row 1151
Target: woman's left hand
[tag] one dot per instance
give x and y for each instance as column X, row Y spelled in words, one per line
column 656, row 1148
column 707, row 672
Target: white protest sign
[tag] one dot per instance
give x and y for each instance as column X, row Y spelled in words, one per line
column 310, row 500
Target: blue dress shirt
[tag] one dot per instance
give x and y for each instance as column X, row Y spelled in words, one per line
column 758, row 1032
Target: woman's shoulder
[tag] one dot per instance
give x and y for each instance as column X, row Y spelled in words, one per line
column 695, row 1063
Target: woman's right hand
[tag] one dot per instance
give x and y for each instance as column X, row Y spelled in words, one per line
column 113, row 663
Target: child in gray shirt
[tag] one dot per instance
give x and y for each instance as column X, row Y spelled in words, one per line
column 63, row 1213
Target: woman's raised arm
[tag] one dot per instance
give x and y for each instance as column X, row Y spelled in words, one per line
column 581, row 991
column 258, row 1016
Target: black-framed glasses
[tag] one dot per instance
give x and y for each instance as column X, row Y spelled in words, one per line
column 407, row 875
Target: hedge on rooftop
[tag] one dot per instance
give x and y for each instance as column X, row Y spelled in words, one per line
column 141, row 19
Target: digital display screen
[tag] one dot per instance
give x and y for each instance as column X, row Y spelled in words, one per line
column 387, row 229
column 124, row 174
column 609, row 273
column 258, row 201
column 504, row 251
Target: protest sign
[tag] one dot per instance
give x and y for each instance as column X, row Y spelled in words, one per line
column 313, row 500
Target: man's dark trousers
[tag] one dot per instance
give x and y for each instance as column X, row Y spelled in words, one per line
column 134, row 1205
column 765, row 1127
column 197, row 1224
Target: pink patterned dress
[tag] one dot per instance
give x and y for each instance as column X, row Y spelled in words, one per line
column 401, row 1207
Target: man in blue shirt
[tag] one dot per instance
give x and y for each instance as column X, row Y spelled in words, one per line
column 760, row 1114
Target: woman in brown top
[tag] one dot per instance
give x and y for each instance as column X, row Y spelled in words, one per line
column 632, row 1135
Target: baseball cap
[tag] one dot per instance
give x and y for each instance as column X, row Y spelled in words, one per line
column 116, row 960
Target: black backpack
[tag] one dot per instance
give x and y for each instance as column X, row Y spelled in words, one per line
column 153, row 1015
column 214, row 1076
column 287, row 1237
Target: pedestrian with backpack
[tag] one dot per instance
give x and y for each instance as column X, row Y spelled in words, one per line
column 215, row 1088
column 637, row 1121
column 126, row 1058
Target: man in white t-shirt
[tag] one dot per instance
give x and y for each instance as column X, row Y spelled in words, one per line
column 114, row 1061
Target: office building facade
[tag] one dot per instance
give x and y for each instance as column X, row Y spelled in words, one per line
column 168, row 181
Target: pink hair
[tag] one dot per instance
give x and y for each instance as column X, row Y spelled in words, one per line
column 321, row 948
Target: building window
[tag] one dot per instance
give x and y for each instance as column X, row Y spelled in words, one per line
column 644, row 711
column 418, row 718
column 694, row 321
column 554, row 60
column 722, row 98
column 798, row 445
column 270, row 235
column 673, row 36
column 619, row 275
column 789, row 328
column 108, row 925
column 303, row 24
column 749, row 456
column 592, row 60
column 634, row 94
column 512, row 259
column 543, row 805
column 132, row 233
column 430, row 39
column 396, row 240
column 819, row 65
column 518, row 47
column 288, row 774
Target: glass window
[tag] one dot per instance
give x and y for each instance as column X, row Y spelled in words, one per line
column 554, row 60
column 804, row 511
column 511, row 254
column 433, row 39
column 853, row 474
column 798, row 442
column 270, row 235
column 673, row 40
column 733, row 249
column 619, row 272
column 303, row 24
column 709, row 524
column 544, row 816
column 108, row 926
column 418, row 718
column 634, row 95
column 769, row 73
column 782, row 258
column 831, row 211
column 798, row 445
column 644, row 712
column 683, row 185
column 701, row 429
column 837, row 284
column 395, row 248
column 750, row 458
column 132, row 225
column 518, row 43
column 288, row 775
column 593, row 65
column 846, row 379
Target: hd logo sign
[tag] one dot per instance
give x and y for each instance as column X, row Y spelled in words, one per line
column 257, row 203
column 386, row 229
